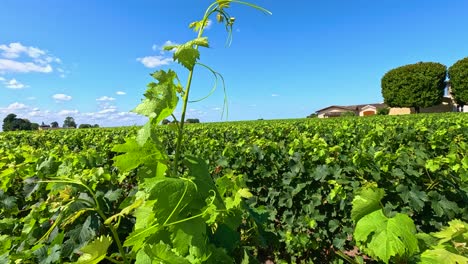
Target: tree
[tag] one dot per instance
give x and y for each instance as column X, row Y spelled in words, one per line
column 8, row 122
column 414, row 85
column 69, row 122
column 34, row 126
column 85, row 126
column 165, row 121
column 11, row 123
column 54, row 124
column 383, row 111
column 458, row 75
column 192, row 120
column 95, row 125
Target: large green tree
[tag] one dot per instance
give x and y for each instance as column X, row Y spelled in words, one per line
column 11, row 123
column 415, row 85
column 8, row 122
column 458, row 75
column 69, row 122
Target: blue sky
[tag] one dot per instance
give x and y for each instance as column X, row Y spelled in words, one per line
column 91, row 59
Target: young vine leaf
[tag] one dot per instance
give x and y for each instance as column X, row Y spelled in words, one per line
column 95, row 251
column 187, row 54
column 442, row 255
column 366, row 202
column 455, row 229
column 389, row 237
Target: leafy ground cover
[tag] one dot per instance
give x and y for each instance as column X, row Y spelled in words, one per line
column 301, row 175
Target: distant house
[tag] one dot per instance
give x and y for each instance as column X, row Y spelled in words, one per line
column 44, row 127
column 358, row 110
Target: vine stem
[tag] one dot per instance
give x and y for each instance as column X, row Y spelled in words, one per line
column 180, row 135
column 182, row 121
column 114, row 234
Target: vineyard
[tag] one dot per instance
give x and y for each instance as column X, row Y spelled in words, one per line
column 293, row 191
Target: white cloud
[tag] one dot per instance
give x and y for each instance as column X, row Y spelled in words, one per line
column 31, row 98
column 14, row 50
column 35, row 113
column 216, row 109
column 108, row 110
column 62, row 97
column 14, row 84
column 39, row 60
column 24, row 67
column 120, row 93
column 2, row 79
column 275, row 95
column 105, row 98
column 154, row 47
column 154, row 61
column 68, row 112
column 15, row 106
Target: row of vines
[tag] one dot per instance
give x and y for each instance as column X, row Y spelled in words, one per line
column 306, row 191
column 62, row 197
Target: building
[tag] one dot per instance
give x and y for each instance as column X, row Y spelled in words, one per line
column 358, row 110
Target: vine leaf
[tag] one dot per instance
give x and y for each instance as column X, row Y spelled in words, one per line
column 95, row 251
column 127, row 210
column 223, row 3
column 159, row 103
column 441, row 255
column 163, row 254
column 366, row 202
column 198, row 24
column 188, row 239
column 136, row 155
column 187, row 54
column 172, row 196
column 137, row 238
column 199, row 172
column 388, row 236
column 455, row 229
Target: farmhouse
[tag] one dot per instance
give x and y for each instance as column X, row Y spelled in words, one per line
column 358, row 110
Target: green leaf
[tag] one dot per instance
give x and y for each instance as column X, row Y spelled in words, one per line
column 159, row 103
column 187, row 54
column 95, row 251
column 161, row 253
column 456, row 228
column 137, row 238
column 414, row 197
column 366, row 202
column 189, row 238
column 53, row 255
column 113, row 195
column 136, row 155
column 384, row 237
column 172, row 195
column 196, row 25
column 245, row 193
column 198, row 171
column 442, row 256
column 127, row 210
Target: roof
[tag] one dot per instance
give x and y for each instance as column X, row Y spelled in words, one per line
column 352, row 107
